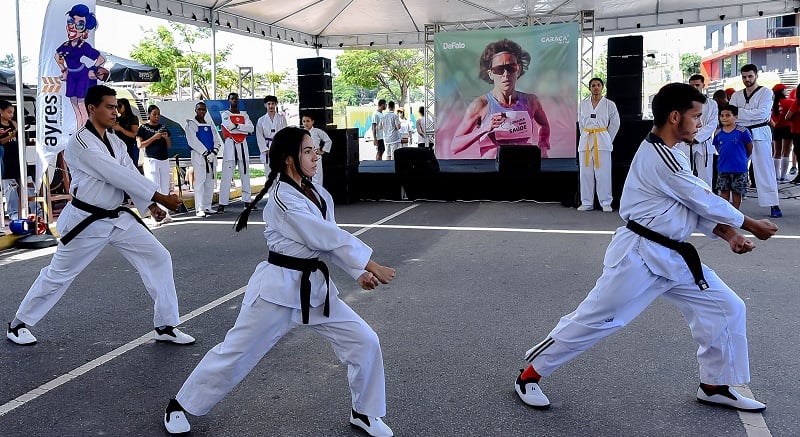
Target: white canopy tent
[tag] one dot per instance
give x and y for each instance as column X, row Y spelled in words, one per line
column 389, row 23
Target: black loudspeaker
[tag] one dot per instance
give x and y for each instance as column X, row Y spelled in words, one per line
column 321, row 116
column 314, row 83
column 623, row 46
column 341, row 182
column 418, row 172
column 624, row 65
column 344, row 150
column 315, row 99
column 626, row 93
column 313, row 66
column 523, row 160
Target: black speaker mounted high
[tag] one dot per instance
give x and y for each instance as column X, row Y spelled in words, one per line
column 314, row 83
column 626, row 46
column 315, row 99
column 624, row 65
column 322, row 116
column 518, row 160
column 318, row 65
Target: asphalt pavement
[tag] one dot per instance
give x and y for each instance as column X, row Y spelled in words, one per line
column 478, row 283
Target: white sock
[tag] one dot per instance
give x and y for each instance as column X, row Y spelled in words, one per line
column 784, row 166
column 777, row 163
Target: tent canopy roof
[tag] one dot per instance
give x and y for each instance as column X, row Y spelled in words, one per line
column 385, row 23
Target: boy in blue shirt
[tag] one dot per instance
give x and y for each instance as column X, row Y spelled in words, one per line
column 734, row 145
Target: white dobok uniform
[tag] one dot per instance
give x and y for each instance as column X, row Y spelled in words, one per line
column 100, row 179
column 271, row 308
column 661, row 194
column 755, row 111
column 322, row 142
column 598, row 125
column 205, row 143
column 701, row 155
column 266, row 128
column 235, row 154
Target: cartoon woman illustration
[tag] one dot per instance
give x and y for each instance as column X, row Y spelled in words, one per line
column 79, row 77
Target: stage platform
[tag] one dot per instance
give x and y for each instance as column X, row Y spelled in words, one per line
column 470, row 179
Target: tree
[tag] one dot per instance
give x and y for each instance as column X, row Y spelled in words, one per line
column 599, row 69
column 274, row 78
column 383, row 69
column 160, row 49
column 9, row 62
column 690, row 64
column 286, row 95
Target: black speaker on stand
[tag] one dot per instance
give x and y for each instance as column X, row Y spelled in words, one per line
column 625, row 75
column 315, row 90
column 418, row 171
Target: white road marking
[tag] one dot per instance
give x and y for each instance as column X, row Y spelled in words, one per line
column 146, row 338
column 754, row 424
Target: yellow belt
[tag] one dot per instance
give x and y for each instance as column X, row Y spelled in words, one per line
column 594, row 132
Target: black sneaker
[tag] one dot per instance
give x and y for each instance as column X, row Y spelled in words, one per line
column 220, row 209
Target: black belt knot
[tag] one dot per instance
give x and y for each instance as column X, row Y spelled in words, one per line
column 95, row 213
column 306, row 266
column 762, row 124
column 685, row 250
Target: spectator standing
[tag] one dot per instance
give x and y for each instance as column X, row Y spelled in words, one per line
column 781, row 132
column 153, row 137
column 734, row 145
column 126, row 127
column 10, row 159
column 205, row 143
column 406, row 131
column 390, row 124
column 267, row 126
column 236, row 125
column 424, row 124
column 377, row 132
column 599, row 123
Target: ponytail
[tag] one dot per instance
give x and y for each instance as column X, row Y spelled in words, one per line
column 241, row 221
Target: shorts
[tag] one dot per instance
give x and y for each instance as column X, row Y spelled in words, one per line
column 380, row 145
column 736, row 182
column 782, row 133
column 390, row 148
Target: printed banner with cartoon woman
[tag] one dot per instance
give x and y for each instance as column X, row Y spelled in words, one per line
column 506, row 86
column 68, row 65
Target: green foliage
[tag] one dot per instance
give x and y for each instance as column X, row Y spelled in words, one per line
column 161, row 49
column 392, row 72
column 599, row 69
column 8, row 61
column 286, row 95
column 690, row 64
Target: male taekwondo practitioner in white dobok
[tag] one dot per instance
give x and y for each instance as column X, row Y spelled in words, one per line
column 236, row 125
column 267, row 126
column 701, row 152
column 663, row 203
column 599, row 124
column 755, row 106
column 293, row 288
column 101, row 173
column 205, row 143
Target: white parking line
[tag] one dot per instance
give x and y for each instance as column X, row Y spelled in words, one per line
column 146, row 338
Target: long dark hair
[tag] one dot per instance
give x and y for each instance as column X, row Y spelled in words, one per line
column 286, row 143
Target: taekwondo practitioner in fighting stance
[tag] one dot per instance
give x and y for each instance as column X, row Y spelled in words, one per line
column 701, row 152
column 755, row 106
column 599, row 124
column 267, row 126
column 293, row 288
column 236, row 125
column 101, row 173
column 663, row 203
column 205, row 143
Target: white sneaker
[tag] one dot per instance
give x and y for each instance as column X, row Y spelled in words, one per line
column 167, row 219
column 585, row 208
column 200, row 213
column 531, row 393
column 20, row 335
column 209, row 211
column 175, row 418
column 373, row 426
column 608, row 209
column 726, row 396
column 172, row 334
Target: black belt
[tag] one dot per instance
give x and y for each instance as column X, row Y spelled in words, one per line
column 305, row 265
column 96, row 213
column 236, row 156
column 762, row 124
column 685, row 250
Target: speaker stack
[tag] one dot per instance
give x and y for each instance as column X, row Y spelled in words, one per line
column 340, row 166
column 625, row 75
column 315, row 89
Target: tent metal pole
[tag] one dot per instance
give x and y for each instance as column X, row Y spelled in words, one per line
column 23, row 166
column 213, row 59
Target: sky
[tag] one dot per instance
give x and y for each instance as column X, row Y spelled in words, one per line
column 119, row 31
